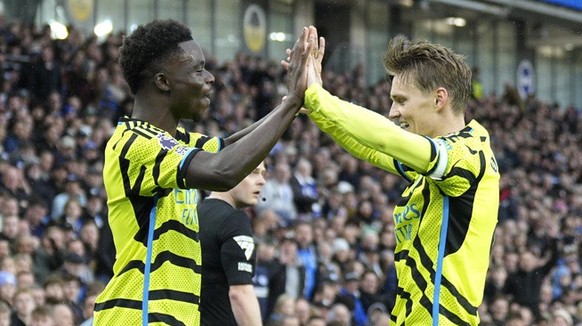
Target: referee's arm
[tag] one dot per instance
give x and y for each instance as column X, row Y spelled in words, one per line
column 245, row 305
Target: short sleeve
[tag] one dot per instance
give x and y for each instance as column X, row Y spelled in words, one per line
column 238, row 250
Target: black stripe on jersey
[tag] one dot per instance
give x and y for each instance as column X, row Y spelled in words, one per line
column 141, row 205
column 161, row 258
column 167, row 256
column 400, row 168
column 177, row 226
column 419, row 280
column 422, row 284
column 147, row 128
column 428, row 265
column 134, row 264
column 165, row 294
column 138, row 131
column 425, row 199
column 183, row 136
column 462, row 207
column 405, row 296
column 164, row 318
column 124, row 303
column 201, row 141
column 459, row 219
column 124, row 168
column 156, row 168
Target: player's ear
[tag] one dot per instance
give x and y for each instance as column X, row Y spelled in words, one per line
column 441, row 98
column 161, row 82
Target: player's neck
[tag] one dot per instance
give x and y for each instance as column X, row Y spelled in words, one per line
column 149, row 111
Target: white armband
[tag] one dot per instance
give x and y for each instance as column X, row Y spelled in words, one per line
column 443, row 158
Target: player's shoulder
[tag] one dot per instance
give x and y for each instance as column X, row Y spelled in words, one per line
column 128, row 126
column 214, row 209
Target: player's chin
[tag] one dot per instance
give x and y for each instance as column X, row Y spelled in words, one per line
column 199, row 112
column 252, row 201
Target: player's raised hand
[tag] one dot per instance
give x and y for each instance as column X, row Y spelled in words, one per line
column 315, row 67
column 297, row 62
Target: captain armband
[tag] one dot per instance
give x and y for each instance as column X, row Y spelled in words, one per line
column 443, row 158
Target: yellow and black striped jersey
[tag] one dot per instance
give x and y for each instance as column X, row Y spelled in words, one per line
column 445, row 218
column 154, row 223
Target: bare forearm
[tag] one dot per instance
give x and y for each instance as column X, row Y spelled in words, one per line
column 241, row 133
column 245, row 305
column 234, row 162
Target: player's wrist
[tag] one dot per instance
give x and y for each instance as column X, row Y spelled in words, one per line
column 294, row 98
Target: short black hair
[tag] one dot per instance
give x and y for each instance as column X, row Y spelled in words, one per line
column 149, row 45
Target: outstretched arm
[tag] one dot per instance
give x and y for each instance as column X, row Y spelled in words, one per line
column 225, row 169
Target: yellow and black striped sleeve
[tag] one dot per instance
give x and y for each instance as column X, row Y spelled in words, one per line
column 468, row 155
column 201, row 141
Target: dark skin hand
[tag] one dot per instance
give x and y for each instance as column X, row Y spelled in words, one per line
column 225, row 169
column 313, row 64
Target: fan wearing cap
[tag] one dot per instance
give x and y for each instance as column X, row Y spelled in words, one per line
column 349, row 295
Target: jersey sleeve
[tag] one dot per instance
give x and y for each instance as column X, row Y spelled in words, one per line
column 201, row 141
column 237, row 252
column 367, row 134
column 461, row 162
column 150, row 164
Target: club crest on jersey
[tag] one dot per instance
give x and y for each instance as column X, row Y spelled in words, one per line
column 166, row 142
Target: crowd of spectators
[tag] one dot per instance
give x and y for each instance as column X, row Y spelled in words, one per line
column 325, row 233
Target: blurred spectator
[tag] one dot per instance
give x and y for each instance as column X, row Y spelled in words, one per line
column 63, row 313
column 50, row 255
column 7, row 286
column 287, row 275
column 23, row 303
column 283, row 306
column 54, row 290
column 305, row 195
column 5, row 313
column 278, row 195
column 36, row 214
column 524, row 285
column 369, row 285
column 73, row 191
column 14, row 184
column 308, row 255
column 265, row 259
column 561, row 317
column 349, row 296
column 339, row 314
column 43, row 74
column 42, row 316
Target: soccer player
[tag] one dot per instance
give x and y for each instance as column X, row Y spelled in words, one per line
column 445, row 219
column 228, row 254
column 153, row 168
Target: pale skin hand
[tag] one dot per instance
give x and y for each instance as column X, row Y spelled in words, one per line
column 314, row 61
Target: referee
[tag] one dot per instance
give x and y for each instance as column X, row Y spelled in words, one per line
column 228, row 254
